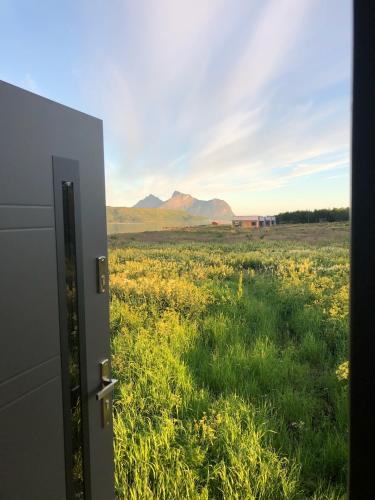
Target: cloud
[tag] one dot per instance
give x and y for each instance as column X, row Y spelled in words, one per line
column 250, row 179
column 269, row 50
column 218, row 96
column 230, row 131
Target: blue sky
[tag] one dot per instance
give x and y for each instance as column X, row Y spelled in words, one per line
column 245, row 100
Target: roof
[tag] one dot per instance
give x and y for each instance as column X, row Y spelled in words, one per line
column 246, row 217
column 253, row 217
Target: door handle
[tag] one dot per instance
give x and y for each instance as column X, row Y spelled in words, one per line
column 107, row 389
column 104, row 395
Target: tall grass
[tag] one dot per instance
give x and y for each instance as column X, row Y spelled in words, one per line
column 227, row 360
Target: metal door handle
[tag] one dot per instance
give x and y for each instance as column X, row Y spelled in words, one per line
column 108, row 387
column 104, row 395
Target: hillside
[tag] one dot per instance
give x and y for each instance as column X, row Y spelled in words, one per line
column 124, row 219
column 210, row 209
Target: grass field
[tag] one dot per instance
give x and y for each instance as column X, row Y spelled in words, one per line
column 334, row 233
column 229, row 348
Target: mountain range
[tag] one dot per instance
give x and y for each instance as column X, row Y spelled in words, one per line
column 212, row 209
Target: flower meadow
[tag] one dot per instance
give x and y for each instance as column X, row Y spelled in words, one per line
column 232, row 361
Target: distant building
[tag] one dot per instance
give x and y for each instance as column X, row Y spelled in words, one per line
column 253, row 221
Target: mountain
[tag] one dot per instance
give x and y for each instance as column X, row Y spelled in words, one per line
column 150, row 201
column 211, row 209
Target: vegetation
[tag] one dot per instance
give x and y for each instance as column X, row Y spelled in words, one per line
column 231, row 359
column 326, row 234
column 308, row 216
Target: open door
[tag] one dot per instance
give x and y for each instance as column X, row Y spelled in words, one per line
column 55, row 379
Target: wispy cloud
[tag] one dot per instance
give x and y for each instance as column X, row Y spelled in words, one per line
column 219, row 96
column 269, row 50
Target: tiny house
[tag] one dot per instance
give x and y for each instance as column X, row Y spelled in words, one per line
column 253, row 221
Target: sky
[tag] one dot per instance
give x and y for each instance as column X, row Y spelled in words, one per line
column 244, row 100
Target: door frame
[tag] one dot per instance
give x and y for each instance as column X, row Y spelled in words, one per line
column 362, row 282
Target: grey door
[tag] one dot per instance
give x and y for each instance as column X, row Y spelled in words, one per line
column 55, row 434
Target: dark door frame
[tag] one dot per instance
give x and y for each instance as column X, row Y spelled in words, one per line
column 362, row 317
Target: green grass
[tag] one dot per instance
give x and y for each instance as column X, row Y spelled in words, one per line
column 227, row 357
column 321, row 234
